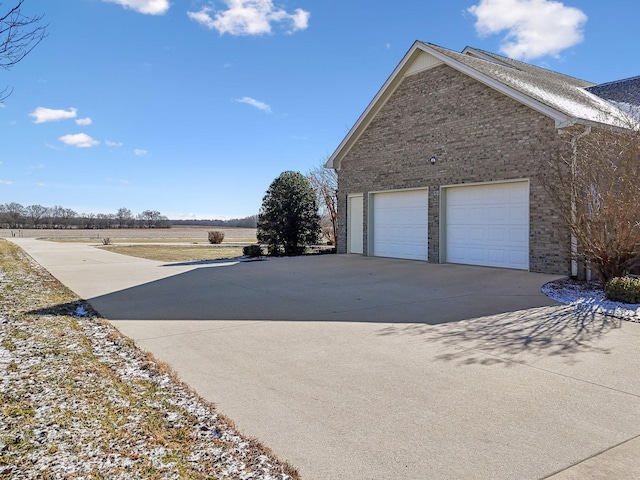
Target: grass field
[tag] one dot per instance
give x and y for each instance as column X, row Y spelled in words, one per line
column 137, row 235
column 177, row 253
column 177, row 244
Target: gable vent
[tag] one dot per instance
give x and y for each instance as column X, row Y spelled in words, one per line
column 423, row 62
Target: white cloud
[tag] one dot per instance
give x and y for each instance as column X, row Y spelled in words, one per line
column 84, row 121
column 140, row 152
column 6, row 182
column 255, row 103
column 113, row 144
column 43, row 115
column 39, row 184
column 148, row 7
column 80, row 140
column 250, row 17
column 535, row 28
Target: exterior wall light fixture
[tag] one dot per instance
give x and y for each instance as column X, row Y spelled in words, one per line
column 432, row 160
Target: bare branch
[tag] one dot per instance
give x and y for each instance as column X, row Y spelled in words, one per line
column 324, row 182
column 19, row 35
column 597, row 192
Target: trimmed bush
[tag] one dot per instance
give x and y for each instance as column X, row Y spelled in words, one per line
column 216, row 237
column 252, row 251
column 623, row 289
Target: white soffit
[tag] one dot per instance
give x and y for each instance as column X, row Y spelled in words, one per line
column 424, row 61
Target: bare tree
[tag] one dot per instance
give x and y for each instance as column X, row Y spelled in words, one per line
column 153, row 219
column 15, row 214
column 324, row 182
column 19, row 35
column 36, row 214
column 105, row 220
column 596, row 188
column 124, row 217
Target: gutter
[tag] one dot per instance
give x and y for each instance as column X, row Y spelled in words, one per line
column 574, row 240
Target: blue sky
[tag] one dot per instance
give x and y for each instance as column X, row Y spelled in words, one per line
column 193, row 107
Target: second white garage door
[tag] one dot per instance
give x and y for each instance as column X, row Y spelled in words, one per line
column 400, row 222
column 488, row 225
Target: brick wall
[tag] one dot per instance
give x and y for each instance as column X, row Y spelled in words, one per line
column 478, row 135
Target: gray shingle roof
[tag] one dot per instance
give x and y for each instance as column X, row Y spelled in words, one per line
column 565, row 99
column 625, row 94
column 565, row 94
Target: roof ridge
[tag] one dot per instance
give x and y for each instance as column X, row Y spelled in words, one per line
column 525, row 64
column 613, row 82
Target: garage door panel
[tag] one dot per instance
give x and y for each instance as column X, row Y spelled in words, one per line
column 520, row 235
column 488, row 225
column 400, row 224
column 499, row 235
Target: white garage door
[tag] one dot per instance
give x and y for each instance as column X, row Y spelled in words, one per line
column 400, row 224
column 488, row 225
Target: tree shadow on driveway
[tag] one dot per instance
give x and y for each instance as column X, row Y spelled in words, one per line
column 549, row 331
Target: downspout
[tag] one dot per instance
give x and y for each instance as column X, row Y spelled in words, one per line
column 574, row 240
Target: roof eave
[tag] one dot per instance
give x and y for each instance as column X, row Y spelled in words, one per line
column 363, row 119
column 561, row 119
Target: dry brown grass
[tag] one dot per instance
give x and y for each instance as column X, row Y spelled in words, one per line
column 129, row 241
column 177, row 253
column 137, row 235
column 79, row 400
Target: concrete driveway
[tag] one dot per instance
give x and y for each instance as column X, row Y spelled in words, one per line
column 367, row 368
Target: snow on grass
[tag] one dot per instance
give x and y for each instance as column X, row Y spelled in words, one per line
column 590, row 297
column 80, row 400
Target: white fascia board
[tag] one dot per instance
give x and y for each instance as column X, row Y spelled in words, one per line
column 561, row 120
column 559, row 117
column 372, row 108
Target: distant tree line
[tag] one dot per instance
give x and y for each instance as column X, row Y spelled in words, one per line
column 15, row 216
column 246, row 222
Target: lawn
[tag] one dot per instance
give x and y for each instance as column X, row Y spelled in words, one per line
column 177, row 253
column 80, row 400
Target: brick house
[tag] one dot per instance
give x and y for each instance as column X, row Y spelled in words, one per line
column 448, row 161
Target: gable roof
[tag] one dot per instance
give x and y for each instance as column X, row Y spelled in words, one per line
column 564, row 99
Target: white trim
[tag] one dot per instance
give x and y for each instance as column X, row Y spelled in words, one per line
column 363, row 120
column 470, row 184
column 348, row 221
column 559, row 117
column 371, row 216
column 561, row 120
column 398, row 190
column 442, row 221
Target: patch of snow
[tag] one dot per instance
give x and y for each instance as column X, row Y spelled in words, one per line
column 590, row 297
column 628, row 108
column 579, row 103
